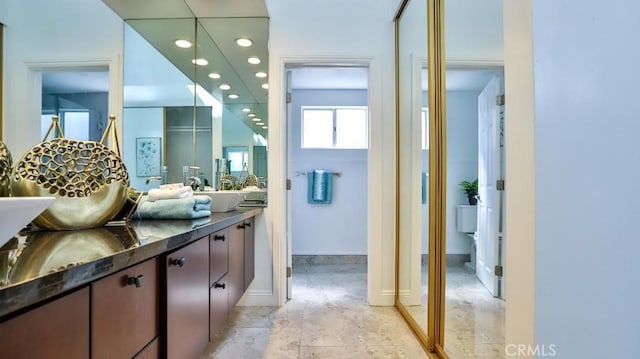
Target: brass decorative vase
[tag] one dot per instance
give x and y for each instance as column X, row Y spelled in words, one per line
column 6, row 163
column 89, row 180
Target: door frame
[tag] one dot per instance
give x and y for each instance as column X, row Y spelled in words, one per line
column 379, row 227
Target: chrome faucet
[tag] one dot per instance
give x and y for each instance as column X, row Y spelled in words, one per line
column 153, row 178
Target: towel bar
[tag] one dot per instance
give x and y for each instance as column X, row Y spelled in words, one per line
column 298, row 173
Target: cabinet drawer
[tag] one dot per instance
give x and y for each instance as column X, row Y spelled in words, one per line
column 219, row 305
column 58, row 329
column 125, row 309
column 219, row 255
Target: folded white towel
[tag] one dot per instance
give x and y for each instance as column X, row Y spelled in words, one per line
column 156, row 194
column 171, row 185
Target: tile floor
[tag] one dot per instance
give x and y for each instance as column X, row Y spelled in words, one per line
column 328, row 317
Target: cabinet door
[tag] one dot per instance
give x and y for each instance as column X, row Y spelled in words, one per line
column 124, row 311
column 249, row 252
column 236, row 263
column 152, row 351
column 59, row 329
column 219, row 309
column 219, row 259
column 187, row 295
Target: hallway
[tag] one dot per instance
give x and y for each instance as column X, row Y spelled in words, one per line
column 328, row 317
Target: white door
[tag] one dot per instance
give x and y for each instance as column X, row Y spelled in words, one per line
column 288, row 229
column 487, row 249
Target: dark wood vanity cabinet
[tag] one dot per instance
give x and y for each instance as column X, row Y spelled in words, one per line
column 187, row 300
column 58, row 329
column 125, row 309
column 219, row 291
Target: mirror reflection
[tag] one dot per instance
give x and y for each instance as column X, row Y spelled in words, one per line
column 211, row 96
column 413, row 157
column 474, row 297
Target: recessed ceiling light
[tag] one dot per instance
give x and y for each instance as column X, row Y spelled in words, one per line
column 200, row 62
column 214, row 75
column 233, row 96
column 265, row 127
column 185, row 44
column 253, row 60
column 225, row 87
column 265, row 86
column 251, row 115
column 255, row 119
column 246, row 109
column 244, row 42
column 260, row 123
column 261, row 74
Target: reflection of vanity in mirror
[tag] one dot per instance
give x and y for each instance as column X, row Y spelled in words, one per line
column 194, row 86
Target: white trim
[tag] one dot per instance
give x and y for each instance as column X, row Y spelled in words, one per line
column 258, row 298
column 114, row 66
column 378, row 227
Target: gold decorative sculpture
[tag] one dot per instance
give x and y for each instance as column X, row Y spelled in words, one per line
column 6, row 163
column 89, row 180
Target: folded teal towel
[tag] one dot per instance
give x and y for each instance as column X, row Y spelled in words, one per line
column 182, row 208
column 319, row 186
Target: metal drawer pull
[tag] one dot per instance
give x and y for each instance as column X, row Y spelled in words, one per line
column 179, row 262
column 220, row 285
column 218, row 237
column 137, row 281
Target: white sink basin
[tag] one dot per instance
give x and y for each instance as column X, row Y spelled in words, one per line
column 224, row 201
column 17, row 212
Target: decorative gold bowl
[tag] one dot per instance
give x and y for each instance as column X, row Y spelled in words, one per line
column 6, row 162
column 89, row 181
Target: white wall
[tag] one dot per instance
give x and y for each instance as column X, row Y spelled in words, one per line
column 50, row 31
column 362, row 30
column 586, row 143
column 322, row 229
column 462, row 160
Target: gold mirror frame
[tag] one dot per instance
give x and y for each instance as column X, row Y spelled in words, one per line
column 433, row 340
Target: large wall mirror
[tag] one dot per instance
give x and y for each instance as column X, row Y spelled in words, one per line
column 460, row 314
column 195, row 89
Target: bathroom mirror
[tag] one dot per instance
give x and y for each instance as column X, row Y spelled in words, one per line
column 473, row 296
column 413, row 297
column 210, row 98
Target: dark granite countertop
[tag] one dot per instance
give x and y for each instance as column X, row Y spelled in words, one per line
column 39, row 265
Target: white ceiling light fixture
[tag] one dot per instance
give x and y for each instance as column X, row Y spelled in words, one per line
column 251, row 115
column 246, row 109
column 265, row 127
column 214, row 75
column 265, row 86
column 261, row 74
column 244, row 42
column 200, row 62
column 233, row 96
column 260, row 123
column 224, row 87
column 253, row 60
column 256, row 119
column 182, row 43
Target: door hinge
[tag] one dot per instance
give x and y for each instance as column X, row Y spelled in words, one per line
column 500, row 100
column 288, row 97
column 498, row 271
column 288, row 184
column 500, row 185
column 288, row 272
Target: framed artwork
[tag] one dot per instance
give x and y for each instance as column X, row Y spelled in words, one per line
column 148, row 156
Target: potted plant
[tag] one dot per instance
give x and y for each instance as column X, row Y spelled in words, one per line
column 471, row 190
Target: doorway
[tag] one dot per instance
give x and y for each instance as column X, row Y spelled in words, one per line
column 327, row 155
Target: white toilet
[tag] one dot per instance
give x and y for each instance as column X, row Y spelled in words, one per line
column 466, row 222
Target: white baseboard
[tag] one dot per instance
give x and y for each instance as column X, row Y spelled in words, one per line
column 259, row 298
column 384, row 298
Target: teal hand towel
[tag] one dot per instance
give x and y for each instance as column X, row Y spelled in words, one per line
column 183, row 208
column 319, row 187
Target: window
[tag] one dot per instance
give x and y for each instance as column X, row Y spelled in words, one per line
column 335, row 127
